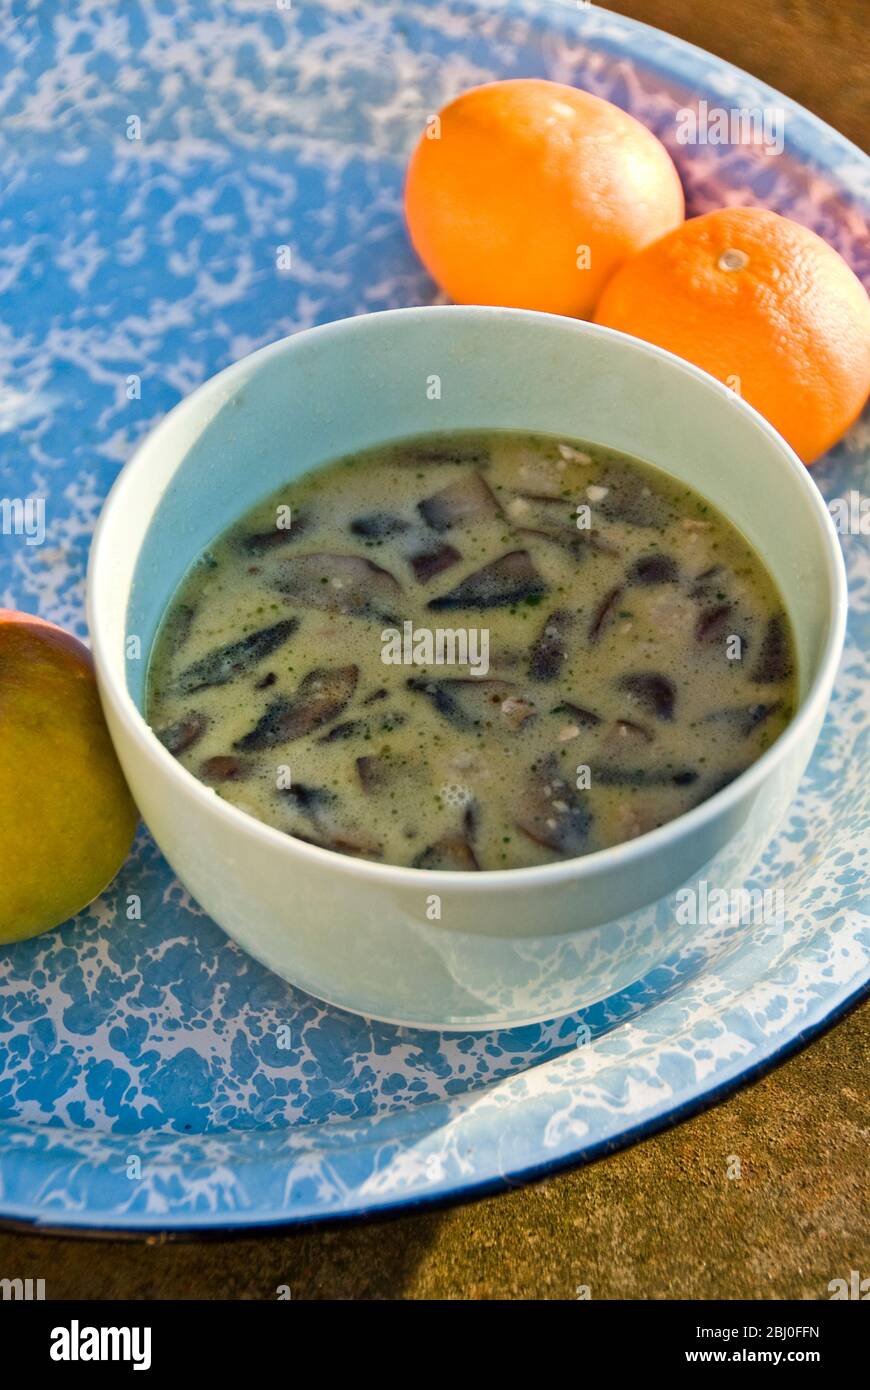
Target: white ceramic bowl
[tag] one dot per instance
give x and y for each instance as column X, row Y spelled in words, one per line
column 445, row 949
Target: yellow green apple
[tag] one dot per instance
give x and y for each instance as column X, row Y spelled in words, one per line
column 66, row 816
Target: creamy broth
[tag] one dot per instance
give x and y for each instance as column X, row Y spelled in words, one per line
column 474, row 652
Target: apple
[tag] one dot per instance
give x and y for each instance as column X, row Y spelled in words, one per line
column 66, row 816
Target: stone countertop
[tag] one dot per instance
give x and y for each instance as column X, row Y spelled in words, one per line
column 662, row 1219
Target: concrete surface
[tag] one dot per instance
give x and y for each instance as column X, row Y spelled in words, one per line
column 663, row 1219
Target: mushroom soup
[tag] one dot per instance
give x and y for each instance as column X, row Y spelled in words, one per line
column 474, row 652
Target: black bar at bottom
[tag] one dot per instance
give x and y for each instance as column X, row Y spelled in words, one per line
column 254, row 1337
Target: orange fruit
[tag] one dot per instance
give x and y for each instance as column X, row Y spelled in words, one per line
column 764, row 305
column 530, row 193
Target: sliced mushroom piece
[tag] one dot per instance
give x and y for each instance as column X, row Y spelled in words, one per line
column 265, row 541
column 469, row 499
column 340, row 584
column 555, row 814
column 313, row 802
column 572, row 540
column 468, row 704
column 624, row 740
column 432, row 560
column 226, row 662
column 379, row 526
column 374, row 772
column 656, row 694
column 562, row 500
column 774, row 658
column 177, row 628
column 586, row 718
column 604, row 613
column 451, row 852
column 378, row 770
column 626, row 733
column 517, row 712
column 320, row 698
column 746, row 720
column 551, row 648
column 351, row 728
column 654, row 569
column 708, row 584
column 184, row 733
column 225, row 768
column 713, row 622
column 512, row 578
column 321, row 808
column 757, row 715
column 470, row 821
column 595, row 540
column 554, row 519
column 341, row 844
column 608, row 775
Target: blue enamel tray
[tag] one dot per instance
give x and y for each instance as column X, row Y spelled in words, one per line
column 151, row 1075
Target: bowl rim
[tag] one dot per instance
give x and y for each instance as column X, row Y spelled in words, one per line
column 623, row 856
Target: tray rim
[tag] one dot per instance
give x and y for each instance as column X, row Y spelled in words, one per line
column 39, row 1221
